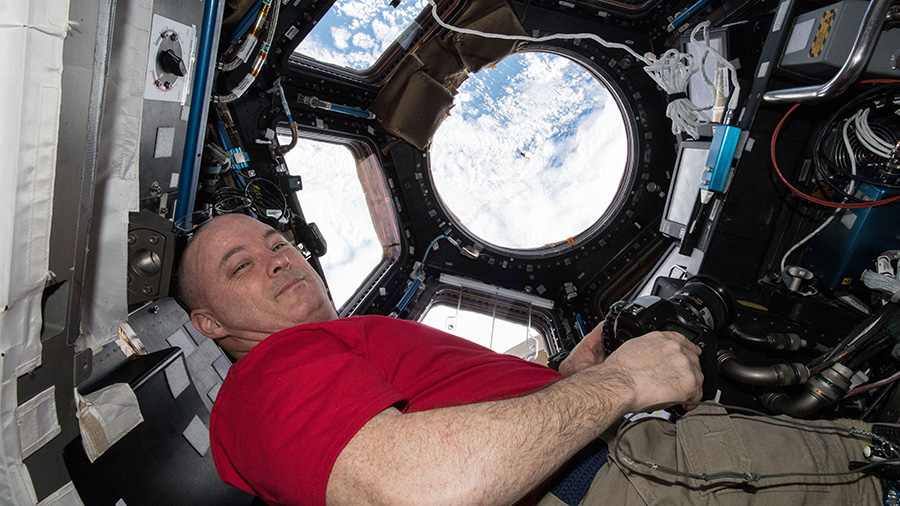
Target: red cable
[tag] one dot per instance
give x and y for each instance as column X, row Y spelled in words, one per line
column 856, row 205
column 877, row 384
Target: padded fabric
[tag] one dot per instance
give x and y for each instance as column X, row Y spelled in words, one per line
column 573, row 487
column 418, row 97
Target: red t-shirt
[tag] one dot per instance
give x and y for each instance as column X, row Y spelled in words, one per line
column 288, row 408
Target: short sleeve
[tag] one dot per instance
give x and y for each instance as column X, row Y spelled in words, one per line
column 288, row 412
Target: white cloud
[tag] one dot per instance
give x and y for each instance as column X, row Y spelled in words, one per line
column 333, row 199
column 360, row 12
column 340, row 36
column 363, row 40
column 371, row 26
column 536, row 164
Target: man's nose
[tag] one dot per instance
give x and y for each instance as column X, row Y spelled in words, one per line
column 277, row 262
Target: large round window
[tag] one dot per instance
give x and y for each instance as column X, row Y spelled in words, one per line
column 533, row 152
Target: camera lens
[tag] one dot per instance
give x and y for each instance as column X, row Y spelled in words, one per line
column 702, row 306
column 706, row 301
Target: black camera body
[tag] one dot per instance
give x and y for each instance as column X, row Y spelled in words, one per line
column 697, row 311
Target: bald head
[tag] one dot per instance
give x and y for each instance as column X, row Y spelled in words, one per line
column 242, row 281
column 190, row 289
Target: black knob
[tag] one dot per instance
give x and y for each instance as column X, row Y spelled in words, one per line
column 172, row 63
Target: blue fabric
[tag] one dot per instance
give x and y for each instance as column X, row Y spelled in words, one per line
column 572, row 488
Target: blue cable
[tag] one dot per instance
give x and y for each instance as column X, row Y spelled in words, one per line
column 579, row 324
column 223, row 135
column 284, row 103
column 418, row 281
column 430, row 246
column 245, row 23
column 684, row 16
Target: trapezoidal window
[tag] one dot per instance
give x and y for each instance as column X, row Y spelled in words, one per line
column 355, row 33
column 534, row 152
column 511, row 325
column 355, row 224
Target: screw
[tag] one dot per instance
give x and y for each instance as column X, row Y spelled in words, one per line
column 154, row 309
column 146, row 289
column 132, row 239
column 154, row 239
column 174, row 37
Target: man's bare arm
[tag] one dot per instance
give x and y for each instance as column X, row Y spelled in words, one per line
column 495, row 452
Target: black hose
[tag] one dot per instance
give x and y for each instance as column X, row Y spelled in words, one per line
column 772, row 340
column 295, row 134
column 768, row 375
column 823, row 389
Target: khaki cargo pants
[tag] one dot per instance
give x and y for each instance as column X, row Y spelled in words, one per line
column 709, row 441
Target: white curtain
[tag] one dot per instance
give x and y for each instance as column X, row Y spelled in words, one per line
column 31, row 45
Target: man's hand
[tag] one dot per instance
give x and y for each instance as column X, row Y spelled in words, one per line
column 589, row 352
column 662, row 366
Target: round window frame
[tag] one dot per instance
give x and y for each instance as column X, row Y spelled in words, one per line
column 625, row 183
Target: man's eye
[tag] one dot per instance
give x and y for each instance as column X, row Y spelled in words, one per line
column 278, row 246
column 239, row 267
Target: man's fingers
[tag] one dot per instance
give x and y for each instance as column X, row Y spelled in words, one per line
column 685, row 341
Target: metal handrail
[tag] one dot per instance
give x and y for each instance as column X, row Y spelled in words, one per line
column 852, row 68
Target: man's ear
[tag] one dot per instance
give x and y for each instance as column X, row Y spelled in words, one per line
column 207, row 324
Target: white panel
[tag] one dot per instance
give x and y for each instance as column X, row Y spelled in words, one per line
column 179, row 89
column 181, row 339
column 800, row 36
column 37, row 421
column 197, row 435
column 177, row 377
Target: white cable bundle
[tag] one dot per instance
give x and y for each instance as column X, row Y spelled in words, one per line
column 869, row 139
column 722, row 63
column 673, row 71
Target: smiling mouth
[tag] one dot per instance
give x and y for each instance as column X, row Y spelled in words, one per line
column 290, row 284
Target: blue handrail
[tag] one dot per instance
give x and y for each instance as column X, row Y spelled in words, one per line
column 190, row 160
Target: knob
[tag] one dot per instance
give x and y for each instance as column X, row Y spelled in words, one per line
column 172, row 63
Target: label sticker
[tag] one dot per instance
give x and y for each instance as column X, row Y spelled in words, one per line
column 825, row 25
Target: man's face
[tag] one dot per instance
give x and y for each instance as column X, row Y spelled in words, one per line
column 254, row 281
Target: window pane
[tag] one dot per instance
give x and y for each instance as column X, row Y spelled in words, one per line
column 533, row 152
column 355, row 33
column 332, row 198
column 500, row 335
